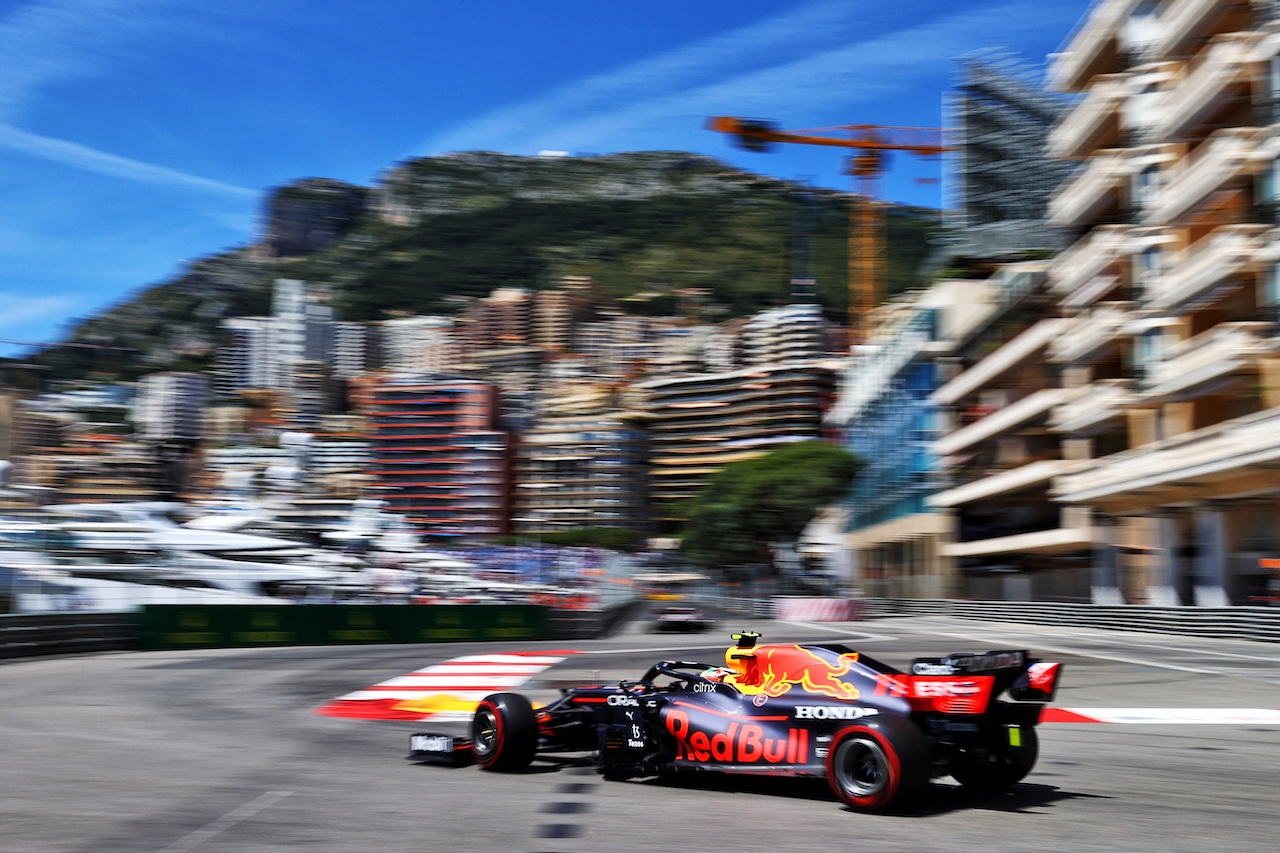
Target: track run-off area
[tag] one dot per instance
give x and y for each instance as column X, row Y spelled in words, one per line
column 1164, row 743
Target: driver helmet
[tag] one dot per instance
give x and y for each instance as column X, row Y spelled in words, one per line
column 718, row 673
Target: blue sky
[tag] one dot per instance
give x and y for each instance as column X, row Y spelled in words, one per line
column 136, row 135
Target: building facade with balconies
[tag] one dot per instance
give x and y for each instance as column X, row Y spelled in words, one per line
column 999, row 454
column 1170, row 353
column 439, row 458
column 701, row 422
column 582, row 471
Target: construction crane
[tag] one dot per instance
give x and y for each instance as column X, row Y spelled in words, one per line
column 867, row 165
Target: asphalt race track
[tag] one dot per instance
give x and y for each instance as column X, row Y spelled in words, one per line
column 219, row 751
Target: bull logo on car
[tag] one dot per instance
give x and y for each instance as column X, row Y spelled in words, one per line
column 774, row 670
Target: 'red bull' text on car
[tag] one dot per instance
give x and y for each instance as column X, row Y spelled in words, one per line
column 877, row 734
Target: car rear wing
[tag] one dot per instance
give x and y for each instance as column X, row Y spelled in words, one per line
column 964, row 683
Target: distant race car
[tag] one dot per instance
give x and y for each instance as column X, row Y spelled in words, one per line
column 681, row 619
column 876, row 733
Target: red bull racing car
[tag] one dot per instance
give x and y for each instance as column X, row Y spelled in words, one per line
column 877, row 734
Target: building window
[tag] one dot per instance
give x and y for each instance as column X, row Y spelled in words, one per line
column 1271, row 286
column 1144, row 185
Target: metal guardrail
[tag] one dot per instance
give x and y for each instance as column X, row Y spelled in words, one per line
column 1234, row 623
column 66, row 633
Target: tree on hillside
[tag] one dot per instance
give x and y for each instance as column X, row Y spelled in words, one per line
column 750, row 506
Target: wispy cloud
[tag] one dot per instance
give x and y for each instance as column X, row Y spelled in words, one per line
column 790, row 70
column 62, row 40
column 91, row 160
column 16, row 311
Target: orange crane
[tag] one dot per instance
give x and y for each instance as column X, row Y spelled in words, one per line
column 867, row 165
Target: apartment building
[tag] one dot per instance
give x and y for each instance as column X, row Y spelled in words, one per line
column 703, row 421
column 424, row 344
column 170, row 406
column 786, row 333
column 999, row 454
column 438, row 457
column 501, row 320
column 582, row 471
column 1169, row 347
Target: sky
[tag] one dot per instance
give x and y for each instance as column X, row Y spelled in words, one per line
column 138, row 135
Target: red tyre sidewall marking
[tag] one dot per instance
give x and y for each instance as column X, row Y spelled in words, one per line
column 886, row 793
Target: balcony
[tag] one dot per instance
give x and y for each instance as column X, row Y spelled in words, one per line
column 1215, row 461
column 1094, row 189
column 1225, row 69
column 1201, row 267
column 1003, row 483
column 1005, row 420
column 1092, row 47
column 1025, row 346
column 1089, row 333
column 1094, row 120
column 1209, row 356
column 1075, row 270
column 1184, row 22
column 1225, row 155
column 1104, row 401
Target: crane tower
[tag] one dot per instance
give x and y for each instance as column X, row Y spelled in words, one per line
column 867, row 165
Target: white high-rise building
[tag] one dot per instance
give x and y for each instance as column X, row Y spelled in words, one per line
column 353, row 350
column 784, row 334
column 304, row 328
column 170, row 406
column 247, row 359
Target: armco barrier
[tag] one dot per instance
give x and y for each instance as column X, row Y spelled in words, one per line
column 177, row 626
column 29, row 635
column 1238, row 623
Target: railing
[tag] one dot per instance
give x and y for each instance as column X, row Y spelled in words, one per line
column 1075, row 268
column 1219, row 158
column 1074, row 136
column 1078, row 201
column 1234, row 623
column 1217, row 257
column 1089, row 332
column 1182, row 21
column 66, row 633
column 1069, row 70
column 1226, row 62
column 1105, row 399
column 1221, row 350
column 1253, row 440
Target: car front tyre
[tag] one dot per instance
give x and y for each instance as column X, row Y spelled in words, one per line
column 504, row 733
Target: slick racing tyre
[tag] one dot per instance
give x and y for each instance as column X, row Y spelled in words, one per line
column 994, row 769
column 504, row 733
column 872, row 766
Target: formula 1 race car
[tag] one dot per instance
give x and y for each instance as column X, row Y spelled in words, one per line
column 876, row 733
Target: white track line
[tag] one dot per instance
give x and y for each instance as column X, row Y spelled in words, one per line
column 228, row 820
column 1097, row 656
column 1173, row 716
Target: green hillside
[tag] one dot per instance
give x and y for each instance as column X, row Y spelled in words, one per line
column 432, row 228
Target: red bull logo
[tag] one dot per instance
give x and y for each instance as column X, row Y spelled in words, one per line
column 739, row 743
column 774, row 670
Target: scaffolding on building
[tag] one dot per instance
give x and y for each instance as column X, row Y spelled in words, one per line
column 1000, row 179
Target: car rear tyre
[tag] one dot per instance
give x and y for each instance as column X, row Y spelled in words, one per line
column 504, row 733
column 873, row 766
column 991, row 770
